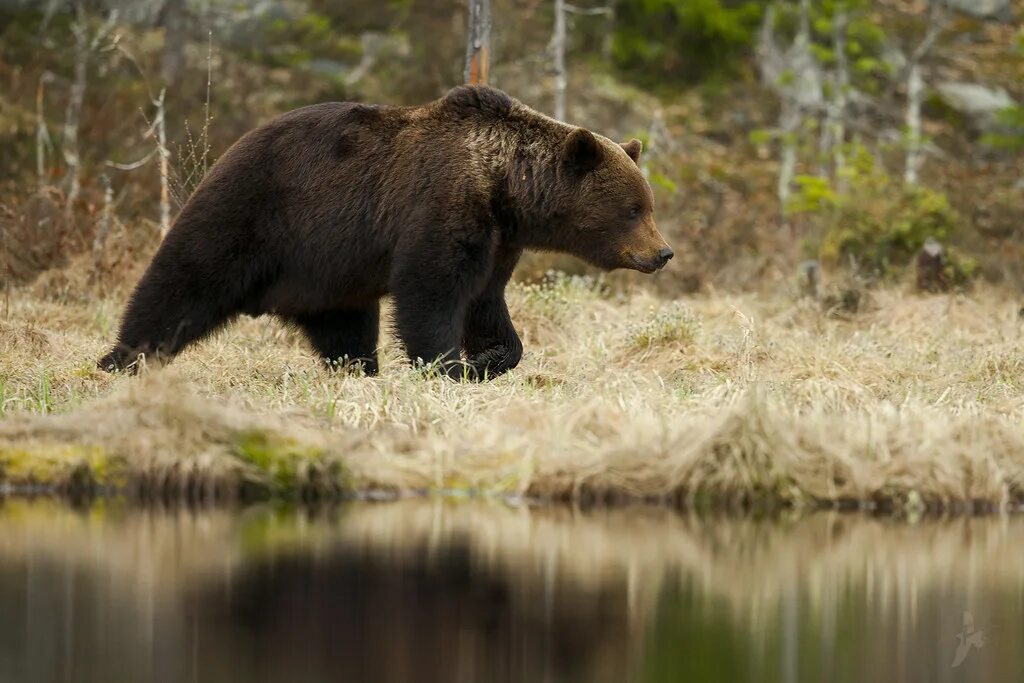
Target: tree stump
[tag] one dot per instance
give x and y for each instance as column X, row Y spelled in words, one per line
column 931, row 267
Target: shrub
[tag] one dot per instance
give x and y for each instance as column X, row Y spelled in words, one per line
column 559, row 294
column 873, row 222
column 676, row 324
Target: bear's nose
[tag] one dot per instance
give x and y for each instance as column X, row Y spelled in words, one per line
column 665, row 255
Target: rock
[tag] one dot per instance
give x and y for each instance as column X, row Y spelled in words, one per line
column 328, row 68
column 1001, row 10
column 980, row 103
column 810, row 278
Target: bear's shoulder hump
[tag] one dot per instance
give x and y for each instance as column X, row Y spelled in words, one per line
column 478, row 99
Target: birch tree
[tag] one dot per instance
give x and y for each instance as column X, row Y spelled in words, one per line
column 85, row 46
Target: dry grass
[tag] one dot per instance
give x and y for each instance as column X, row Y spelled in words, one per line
column 913, row 404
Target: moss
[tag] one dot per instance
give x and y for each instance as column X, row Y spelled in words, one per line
column 289, row 468
column 54, row 464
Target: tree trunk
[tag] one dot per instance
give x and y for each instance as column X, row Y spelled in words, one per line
column 478, row 43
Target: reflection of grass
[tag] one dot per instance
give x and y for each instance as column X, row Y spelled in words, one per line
column 746, row 401
column 749, row 564
column 686, row 590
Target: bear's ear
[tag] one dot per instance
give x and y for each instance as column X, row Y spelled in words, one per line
column 633, row 149
column 582, row 151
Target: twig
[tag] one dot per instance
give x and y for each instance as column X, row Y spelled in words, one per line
column 133, row 165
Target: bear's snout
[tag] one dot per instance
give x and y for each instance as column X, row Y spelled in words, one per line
column 650, row 255
column 652, row 263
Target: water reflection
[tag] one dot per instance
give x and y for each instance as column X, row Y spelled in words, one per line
column 441, row 591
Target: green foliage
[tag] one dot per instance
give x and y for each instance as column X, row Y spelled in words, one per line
column 664, row 182
column 1011, row 133
column 872, row 220
column 683, row 40
column 298, row 42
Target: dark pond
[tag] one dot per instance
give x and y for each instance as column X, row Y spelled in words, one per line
column 444, row 591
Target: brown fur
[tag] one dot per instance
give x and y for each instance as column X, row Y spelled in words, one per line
column 319, row 213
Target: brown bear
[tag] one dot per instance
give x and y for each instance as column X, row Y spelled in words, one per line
column 319, row 213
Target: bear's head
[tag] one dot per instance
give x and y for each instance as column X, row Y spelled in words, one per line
column 606, row 214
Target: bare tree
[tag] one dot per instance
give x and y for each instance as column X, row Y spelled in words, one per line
column 559, row 45
column 915, row 90
column 158, row 132
column 478, row 43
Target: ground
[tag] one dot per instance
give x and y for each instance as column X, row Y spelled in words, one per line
column 911, row 403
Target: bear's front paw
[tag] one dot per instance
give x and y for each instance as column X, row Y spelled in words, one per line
column 121, row 359
column 458, row 370
column 367, row 367
column 496, row 360
column 461, row 371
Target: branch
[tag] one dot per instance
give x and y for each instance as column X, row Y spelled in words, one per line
column 936, row 24
column 135, row 164
column 586, row 11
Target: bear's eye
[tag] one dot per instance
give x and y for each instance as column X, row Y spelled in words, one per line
column 635, row 211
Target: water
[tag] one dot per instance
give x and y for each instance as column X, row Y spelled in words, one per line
column 441, row 591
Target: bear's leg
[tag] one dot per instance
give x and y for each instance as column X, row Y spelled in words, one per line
column 492, row 345
column 432, row 288
column 347, row 335
column 429, row 326
column 171, row 307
